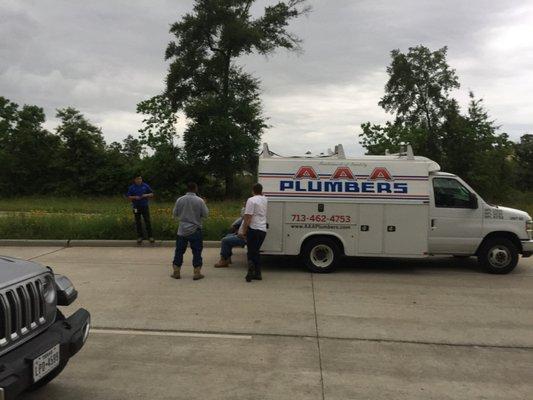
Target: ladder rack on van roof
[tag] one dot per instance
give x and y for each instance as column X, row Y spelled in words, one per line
column 406, row 151
column 405, row 154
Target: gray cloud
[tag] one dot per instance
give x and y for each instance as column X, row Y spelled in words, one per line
column 104, row 57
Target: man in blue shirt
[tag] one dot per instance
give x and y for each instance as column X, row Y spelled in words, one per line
column 139, row 193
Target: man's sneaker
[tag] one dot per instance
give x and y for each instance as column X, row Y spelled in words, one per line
column 139, row 240
column 152, row 240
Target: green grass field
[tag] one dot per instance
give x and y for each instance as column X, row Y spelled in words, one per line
column 112, row 218
column 98, row 218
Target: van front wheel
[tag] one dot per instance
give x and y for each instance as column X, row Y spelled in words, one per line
column 321, row 254
column 498, row 256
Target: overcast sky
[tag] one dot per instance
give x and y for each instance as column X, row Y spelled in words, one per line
column 104, row 56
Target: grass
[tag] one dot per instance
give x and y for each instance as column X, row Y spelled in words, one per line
column 99, row 218
column 112, row 218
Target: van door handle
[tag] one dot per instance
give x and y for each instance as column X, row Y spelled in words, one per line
column 433, row 227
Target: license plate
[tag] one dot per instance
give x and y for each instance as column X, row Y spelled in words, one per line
column 45, row 363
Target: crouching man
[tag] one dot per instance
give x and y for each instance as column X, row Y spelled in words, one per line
column 231, row 240
column 254, row 227
column 190, row 209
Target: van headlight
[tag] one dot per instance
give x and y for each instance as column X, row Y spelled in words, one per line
column 49, row 290
column 529, row 229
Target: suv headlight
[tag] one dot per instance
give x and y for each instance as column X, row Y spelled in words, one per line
column 529, row 229
column 49, row 290
column 66, row 293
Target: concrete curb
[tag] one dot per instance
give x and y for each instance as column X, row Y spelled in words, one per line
column 33, row 242
column 95, row 243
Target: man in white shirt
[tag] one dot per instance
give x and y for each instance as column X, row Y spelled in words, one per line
column 253, row 228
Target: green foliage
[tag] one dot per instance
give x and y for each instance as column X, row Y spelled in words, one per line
column 469, row 145
column 75, row 160
column 159, row 130
column 418, row 91
column 221, row 101
column 29, row 154
column 524, row 159
column 102, row 218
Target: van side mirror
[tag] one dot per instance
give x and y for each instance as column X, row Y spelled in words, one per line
column 473, row 201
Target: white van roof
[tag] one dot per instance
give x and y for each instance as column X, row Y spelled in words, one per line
column 338, row 154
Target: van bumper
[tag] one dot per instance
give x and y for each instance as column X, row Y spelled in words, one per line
column 16, row 367
column 527, row 248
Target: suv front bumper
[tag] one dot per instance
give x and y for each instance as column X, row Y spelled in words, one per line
column 527, row 248
column 16, row 367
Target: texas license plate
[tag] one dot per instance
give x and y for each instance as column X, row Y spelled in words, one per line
column 45, row 363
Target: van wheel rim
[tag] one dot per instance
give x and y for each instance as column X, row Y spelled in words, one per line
column 499, row 256
column 322, row 256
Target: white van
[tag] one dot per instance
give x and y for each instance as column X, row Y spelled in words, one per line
column 395, row 205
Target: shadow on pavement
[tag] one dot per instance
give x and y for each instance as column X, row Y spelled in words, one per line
column 360, row 265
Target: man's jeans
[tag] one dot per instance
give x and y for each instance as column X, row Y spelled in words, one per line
column 254, row 240
column 228, row 242
column 143, row 211
column 197, row 244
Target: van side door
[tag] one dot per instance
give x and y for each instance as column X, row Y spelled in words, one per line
column 455, row 218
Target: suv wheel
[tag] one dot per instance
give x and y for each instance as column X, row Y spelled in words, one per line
column 498, row 256
column 321, row 254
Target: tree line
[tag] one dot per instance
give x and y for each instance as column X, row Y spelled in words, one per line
column 75, row 160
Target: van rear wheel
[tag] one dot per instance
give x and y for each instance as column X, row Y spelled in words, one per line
column 498, row 256
column 321, row 254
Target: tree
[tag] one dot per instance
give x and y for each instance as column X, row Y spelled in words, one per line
column 27, row 151
column 132, row 148
column 84, row 151
column 220, row 100
column 418, row 91
column 159, row 130
column 524, row 157
column 474, row 149
column 426, row 116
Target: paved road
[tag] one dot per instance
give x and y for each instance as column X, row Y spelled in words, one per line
column 436, row 329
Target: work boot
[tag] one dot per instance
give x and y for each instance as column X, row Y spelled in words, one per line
column 222, row 263
column 197, row 274
column 251, row 271
column 176, row 274
column 257, row 274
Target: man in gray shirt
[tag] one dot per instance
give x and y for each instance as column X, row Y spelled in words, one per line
column 190, row 209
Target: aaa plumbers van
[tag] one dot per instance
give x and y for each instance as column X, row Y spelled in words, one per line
column 396, row 205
